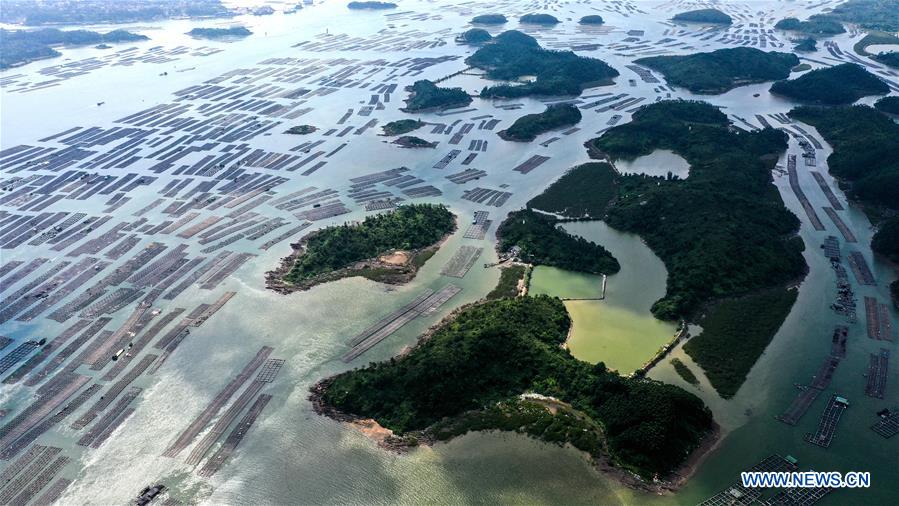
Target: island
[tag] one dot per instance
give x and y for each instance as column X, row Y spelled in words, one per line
column 91, row 12
column 512, row 55
column 18, row 47
column 889, row 105
column 388, row 247
column 500, row 365
column 474, row 36
column 401, row 126
column 747, row 255
column 220, row 33
column 593, row 19
column 535, row 238
column 539, row 19
column 584, row 192
column 528, row 127
column 837, row 85
column 301, row 130
column 880, row 15
column 722, row 70
column 806, row 45
column 890, row 59
column 409, row 141
column 426, row 96
column 489, row 19
column 817, row 25
column 713, row 16
column 371, row 5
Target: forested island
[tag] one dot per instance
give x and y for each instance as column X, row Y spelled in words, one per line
column 220, row 33
column 890, row 59
column 888, row 105
column 88, row 12
column 371, row 5
column 593, row 19
column 387, row 247
column 513, row 54
column 806, row 45
column 529, row 126
column 22, row 46
column 474, row 36
column 301, row 130
column 583, row 192
column 539, row 19
column 470, row 371
column 410, row 141
column 401, row 126
column 865, row 154
column 837, row 85
column 489, row 19
column 540, row 241
column 704, row 16
column 427, row 96
column 723, row 69
column 817, row 25
column 724, row 230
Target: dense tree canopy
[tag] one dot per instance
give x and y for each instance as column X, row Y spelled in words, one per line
column 886, row 239
column 427, row 95
column 584, row 191
column 21, row 46
column 513, row 54
column 865, row 150
column 408, row 227
column 495, row 351
column 837, row 85
column 817, row 25
column 543, row 242
column 539, row 19
column 529, row 126
column 724, row 230
column 704, row 16
column 723, row 69
column 489, row 19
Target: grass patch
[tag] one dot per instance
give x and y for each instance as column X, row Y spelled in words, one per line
column 735, row 332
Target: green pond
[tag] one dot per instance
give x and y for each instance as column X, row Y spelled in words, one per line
column 619, row 330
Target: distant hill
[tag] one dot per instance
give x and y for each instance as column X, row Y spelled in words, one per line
column 704, row 16
column 539, row 19
column 220, row 33
column 489, row 19
column 22, row 46
column 722, row 70
column 838, row 85
column 816, row 25
column 513, row 54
